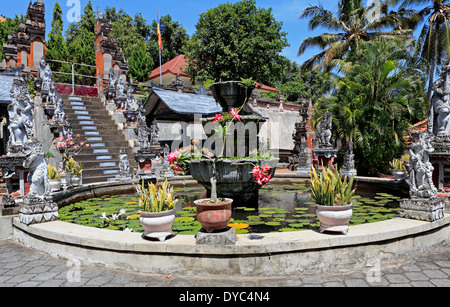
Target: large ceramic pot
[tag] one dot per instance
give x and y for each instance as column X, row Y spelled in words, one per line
column 334, row 218
column 158, row 225
column 234, row 178
column 230, row 94
column 211, row 216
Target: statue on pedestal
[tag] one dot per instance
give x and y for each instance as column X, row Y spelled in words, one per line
column 439, row 119
column 421, row 176
column 37, row 166
column 325, row 130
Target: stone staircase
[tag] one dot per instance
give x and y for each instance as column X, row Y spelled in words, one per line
column 92, row 121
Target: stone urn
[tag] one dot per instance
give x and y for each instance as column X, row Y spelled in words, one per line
column 55, row 185
column 334, row 218
column 400, row 174
column 76, row 181
column 234, row 178
column 212, row 216
column 230, row 94
column 158, row 225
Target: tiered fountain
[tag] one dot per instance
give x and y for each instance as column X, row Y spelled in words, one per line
column 237, row 152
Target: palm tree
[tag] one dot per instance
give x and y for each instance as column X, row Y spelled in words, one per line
column 381, row 94
column 433, row 43
column 353, row 24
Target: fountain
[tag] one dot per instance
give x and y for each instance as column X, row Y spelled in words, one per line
column 237, row 150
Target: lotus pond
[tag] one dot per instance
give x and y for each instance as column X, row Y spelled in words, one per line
column 281, row 208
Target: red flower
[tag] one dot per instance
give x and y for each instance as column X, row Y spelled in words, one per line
column 262, row 175
column 217, row 118
column 235, row 114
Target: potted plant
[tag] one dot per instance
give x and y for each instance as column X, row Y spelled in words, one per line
column 333, row 196
column 398, row 169
column 54, row 178
column 76, row 171
column 157, row 209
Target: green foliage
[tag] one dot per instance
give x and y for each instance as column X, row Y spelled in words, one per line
column 140, row 62
column 57, row 47
column 174, row 39
column 379, row 95
column 10, row 25
column 330, row 188
column 222, row 49
column 154, row 198
column 351, row 26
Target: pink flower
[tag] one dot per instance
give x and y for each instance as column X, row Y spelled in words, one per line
column 235, row 114
column 261, row 175
column 217, row 118
column 78, row 135
column 88, row 145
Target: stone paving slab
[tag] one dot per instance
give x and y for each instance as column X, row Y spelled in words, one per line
column 23, row 267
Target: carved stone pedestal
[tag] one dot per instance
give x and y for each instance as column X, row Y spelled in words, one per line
column 424, row 209
column 227, row 237
column 39, row 213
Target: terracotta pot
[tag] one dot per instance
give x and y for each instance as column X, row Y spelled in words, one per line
column 213, row 216
column 335, row 219
column 158, row 225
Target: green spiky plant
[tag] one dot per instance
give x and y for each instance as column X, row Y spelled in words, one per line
column 330, row 188
column 154, row 198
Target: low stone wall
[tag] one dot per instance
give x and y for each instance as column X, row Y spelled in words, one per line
column 273, row 254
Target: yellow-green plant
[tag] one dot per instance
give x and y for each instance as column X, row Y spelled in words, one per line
column 330, row 188
column 73, row 167
column 154, row 198
column 53, row 173
column 397, row 165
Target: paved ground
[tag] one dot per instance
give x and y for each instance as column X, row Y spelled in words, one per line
column 22, row 267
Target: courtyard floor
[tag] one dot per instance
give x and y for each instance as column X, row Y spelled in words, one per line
column 23, row 267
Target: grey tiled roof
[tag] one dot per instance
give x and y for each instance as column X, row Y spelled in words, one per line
column 185, row 103
column 6, row 82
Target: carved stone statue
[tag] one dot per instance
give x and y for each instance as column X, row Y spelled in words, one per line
column 421, row 176
column 60, row 115
column 325, row 130
column 143, row 133
column 124, row 166
column 20, row 113
column 38, row 172
column 439, row 121
column 130, row 99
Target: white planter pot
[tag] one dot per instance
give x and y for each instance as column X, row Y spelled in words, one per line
column 335, row 219
column 158, row 225
column 55, row 185
column 400, row 175
column 76, row 181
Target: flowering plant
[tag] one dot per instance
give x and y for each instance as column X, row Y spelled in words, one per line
column 179, row 159
column 70, row 147
column 261, row 175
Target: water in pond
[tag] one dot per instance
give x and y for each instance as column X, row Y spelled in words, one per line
column 281, row 208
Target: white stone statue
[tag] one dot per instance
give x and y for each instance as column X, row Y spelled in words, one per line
column 38, row 172
column 440, row 104
column 421, row 176
column 325, row 130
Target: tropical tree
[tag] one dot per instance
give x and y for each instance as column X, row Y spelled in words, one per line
column 234, row 41
column 80, row 39
column 140, row 62
column 433, row 44
column 6, row 27
column 354, row 23
column 57, row 47
column 381, row 94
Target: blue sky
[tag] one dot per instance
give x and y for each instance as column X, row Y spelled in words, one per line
column 187, row 13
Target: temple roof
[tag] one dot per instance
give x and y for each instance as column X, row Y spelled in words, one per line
column 171, row 105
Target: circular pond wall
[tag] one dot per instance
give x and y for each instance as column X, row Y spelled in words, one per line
column 271, row 254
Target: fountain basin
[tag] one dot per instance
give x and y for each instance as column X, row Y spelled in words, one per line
column 234, row 178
